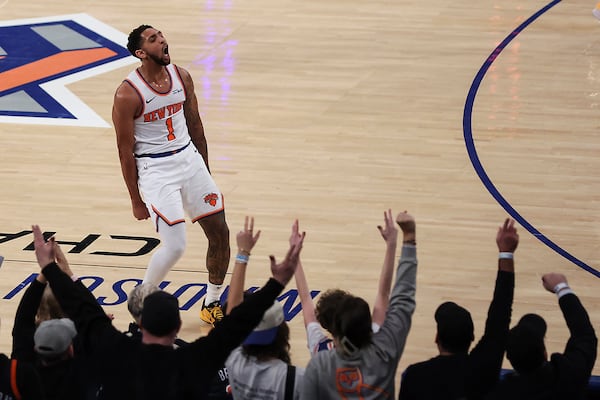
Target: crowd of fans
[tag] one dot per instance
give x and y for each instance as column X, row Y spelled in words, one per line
column 66, row 347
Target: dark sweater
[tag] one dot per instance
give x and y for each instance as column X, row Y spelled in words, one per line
column 566, row 375
column 61, row 379
column 219, row 387
column 472, row 375
column 26, row 379
column 133, row 370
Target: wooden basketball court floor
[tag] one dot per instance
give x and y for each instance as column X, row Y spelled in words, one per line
column 332, row 112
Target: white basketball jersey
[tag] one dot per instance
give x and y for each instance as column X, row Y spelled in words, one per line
column 161, row 126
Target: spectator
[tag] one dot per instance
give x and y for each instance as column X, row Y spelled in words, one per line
column 261, row 368
column 19, row 380
column 153, row 369
column 321, row 317
column 53, row 340
column 364, row 363
column 135, row 304
column 566, row 375
column 49, row 346
column 457, row 373
column 49, row 307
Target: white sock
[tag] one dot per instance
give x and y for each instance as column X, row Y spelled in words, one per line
column 213, row 293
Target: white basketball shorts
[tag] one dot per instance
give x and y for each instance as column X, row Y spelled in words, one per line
column 178, row 184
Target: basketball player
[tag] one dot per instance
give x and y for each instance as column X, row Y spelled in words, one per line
column 164, row 160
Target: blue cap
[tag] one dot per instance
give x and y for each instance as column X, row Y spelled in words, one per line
column 266, row 330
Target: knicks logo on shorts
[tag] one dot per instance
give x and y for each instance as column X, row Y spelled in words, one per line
column 39, row 57
column 211, row 198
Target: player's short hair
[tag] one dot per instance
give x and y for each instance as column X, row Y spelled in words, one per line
column 134, row 41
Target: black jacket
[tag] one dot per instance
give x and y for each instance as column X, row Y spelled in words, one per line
column 472, row 375
column 133, row 370
column 63, row 379
column 25, row 378
column 566, row 375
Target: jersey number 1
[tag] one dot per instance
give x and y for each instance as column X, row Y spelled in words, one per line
column 171, row 135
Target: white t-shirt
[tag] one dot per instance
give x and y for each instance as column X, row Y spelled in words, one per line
column 253, row 380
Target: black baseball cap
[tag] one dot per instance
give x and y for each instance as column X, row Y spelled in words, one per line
column 160, row 313
column 525, row 348
column 455, row 328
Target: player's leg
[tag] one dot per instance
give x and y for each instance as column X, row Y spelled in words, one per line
column 217, row 255
column 217, row 263
column 160, row 188
column 204, row 204
column 172, row 246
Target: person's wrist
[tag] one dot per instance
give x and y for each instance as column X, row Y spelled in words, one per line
column 409, row 238
column 561, row 289
column 506, row 255
column 242, row 257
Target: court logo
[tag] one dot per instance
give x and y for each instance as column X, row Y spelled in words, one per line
column 39, row 57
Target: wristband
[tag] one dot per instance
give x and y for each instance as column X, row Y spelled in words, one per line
column 564, row 291
column 242, row 259
column 505, row 255
column 560, row 286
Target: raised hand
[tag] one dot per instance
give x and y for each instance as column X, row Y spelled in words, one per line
column 507, row 238
column 245, row 238
column 552, row 279
column 406, row 222
column 61, row 260
column 284, row 271
column 296, row 237
column 44, row 251
column 389, row 232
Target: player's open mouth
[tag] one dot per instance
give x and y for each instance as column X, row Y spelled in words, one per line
column 166, row 50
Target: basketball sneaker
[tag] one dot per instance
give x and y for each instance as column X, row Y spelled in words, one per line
column 212, row 314
column 596, row 11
